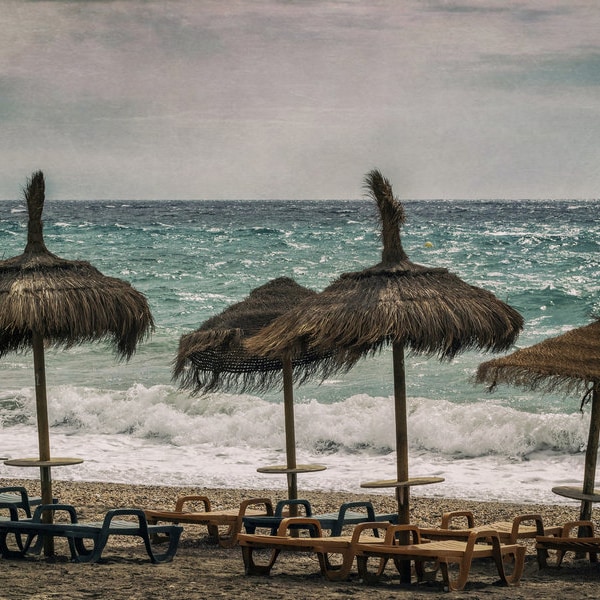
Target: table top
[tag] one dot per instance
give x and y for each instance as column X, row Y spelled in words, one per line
column 386, row 483
column 298, row 469
column 36, row 462
column 576, row 493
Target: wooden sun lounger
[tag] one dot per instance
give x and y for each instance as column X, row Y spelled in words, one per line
column 77, row 532
column 443, row 553
column 509, row 532
column 322, row 546
column 333, row 522
column 568, row 540
column 213, row 519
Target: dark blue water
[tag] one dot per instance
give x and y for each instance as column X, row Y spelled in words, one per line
column 193, row 259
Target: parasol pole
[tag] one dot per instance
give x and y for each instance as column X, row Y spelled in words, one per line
column 41, row 401
column 402, row 493
column 290, row 430
column 591, row 454
column 35, row 196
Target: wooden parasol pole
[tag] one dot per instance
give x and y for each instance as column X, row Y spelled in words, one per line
column 290, row 431
column 591, row 454
column 41, row 402
column 401, row 432
column 402, row 492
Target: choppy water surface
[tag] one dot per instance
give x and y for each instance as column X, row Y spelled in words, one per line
column 193, row 259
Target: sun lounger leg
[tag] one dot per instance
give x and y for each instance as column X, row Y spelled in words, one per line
column 213, row 532
column 464, row 568
column 227, row 539
column 80, row 553
column 166, row 556
column 155, row 537
column 421, row 573
column 458, row 583
column 251, row 568
column 518, row 559
column 336, row 572
column 365, row 574
column 498, row 560
column 7, row 552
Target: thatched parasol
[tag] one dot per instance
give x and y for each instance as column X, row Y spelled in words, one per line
column 396, row 302
column 213, row 358
column 568, row 363
column 48, row 301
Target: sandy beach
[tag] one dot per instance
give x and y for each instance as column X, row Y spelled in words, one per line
column 202, row 570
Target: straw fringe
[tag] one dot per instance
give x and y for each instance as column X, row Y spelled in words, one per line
column 67, row 302
column 214, row 357
column 567, row 363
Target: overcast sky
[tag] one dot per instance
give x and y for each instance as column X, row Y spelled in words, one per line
column 299, row 99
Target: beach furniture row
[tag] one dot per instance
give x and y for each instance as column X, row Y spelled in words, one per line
column 356, row 534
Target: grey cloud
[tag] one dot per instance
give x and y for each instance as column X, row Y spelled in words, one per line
column 514, row 11
column 547, row 72
column 141, row 98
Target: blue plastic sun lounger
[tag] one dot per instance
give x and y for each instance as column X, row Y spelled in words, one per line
column 333, row 521
column 77, row 533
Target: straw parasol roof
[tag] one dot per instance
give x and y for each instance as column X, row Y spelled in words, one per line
column 568, row 363
column 65, row 302
column 396, row 302
column 428, row 310
column 214, row 357
column 49, row 301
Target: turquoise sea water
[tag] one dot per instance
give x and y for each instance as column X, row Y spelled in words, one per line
column 193, row 259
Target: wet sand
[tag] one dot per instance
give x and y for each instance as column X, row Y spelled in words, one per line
column 203, row 570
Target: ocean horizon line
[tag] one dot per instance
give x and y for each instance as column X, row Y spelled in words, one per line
column 357, row 199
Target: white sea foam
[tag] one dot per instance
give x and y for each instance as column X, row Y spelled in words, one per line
column 155, row 434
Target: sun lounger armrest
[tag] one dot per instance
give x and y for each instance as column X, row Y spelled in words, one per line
column 181, row 501
column 349, row 505
column 370, row 526
column 266, row 502
column 13, row 505
column 18, row 489
column 573, row 528
column 448, row 517
column 311, row 525
column 488, row 535
column 402, row 534
column 41, row 508
column 119, row 512
column 537, row 519
column 297, row 502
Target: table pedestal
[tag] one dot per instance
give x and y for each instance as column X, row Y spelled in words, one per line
column 402, row 496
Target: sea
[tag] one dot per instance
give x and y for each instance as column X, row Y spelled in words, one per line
column 130, row 423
